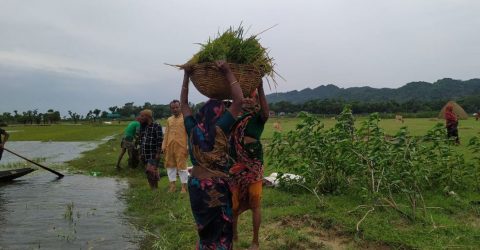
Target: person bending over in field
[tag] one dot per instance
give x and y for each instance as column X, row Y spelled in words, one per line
column 3, row 141
column 451, row 121
column 174, row 147
column 150, row 146
column 128, row 144
column 208, row 185
column 247, row 172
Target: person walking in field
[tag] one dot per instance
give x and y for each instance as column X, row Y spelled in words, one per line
column 3, row 141
column 247, row 172
column 150, row 146
column 128, row 144
column 208, row 185
column 174, row 147
column 451, row 121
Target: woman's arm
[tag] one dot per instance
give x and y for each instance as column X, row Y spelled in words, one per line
column 185, row 108
column 263, row 102
column 234, row 85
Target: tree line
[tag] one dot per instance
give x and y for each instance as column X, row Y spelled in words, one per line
column 30, row 117
column 128, row 111
column 430, row 108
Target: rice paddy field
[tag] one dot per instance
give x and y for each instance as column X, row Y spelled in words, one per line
column 63, row 132
column 290, row 220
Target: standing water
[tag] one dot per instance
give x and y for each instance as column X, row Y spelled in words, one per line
column 76, row 212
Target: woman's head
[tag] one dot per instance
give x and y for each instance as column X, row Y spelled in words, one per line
column 210, row 111
column 449, row 108
column 207, row 117
column 250, row 104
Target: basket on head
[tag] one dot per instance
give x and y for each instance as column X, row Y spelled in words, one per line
column 211, row 82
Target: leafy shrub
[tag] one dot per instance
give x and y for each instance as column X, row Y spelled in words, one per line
column 368, row 162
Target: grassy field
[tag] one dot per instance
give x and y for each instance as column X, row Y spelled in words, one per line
column 301, row 221
column 63, row 132
column 416, row 126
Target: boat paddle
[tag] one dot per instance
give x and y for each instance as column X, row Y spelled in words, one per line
column 38, row 164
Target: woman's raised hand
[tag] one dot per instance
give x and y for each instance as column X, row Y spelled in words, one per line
column 223, row 66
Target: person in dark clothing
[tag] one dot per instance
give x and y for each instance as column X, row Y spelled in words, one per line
column 150, row 146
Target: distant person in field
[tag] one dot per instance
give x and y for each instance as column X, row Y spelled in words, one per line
column 150, row 146
column 174, row 147
column 277, row 126
column 451, row 121
column 128, row 144
column 208, row 185
column 247, row 152
column 5, row 136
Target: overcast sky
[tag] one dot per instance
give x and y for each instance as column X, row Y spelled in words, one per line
column 87, row 54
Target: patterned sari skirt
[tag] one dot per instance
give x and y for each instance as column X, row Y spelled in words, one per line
column 211, row 203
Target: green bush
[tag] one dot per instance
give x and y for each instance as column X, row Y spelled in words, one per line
column 366, row 161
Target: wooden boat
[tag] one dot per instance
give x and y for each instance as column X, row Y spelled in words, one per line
column 9, row 175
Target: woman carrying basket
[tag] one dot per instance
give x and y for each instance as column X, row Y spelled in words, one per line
column 247, row 172
column 208, row 185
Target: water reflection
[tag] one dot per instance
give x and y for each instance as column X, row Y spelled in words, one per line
column 76, row 212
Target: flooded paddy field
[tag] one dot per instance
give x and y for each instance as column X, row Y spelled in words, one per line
column 75, row 212
column 39, row 211
column 46, row 152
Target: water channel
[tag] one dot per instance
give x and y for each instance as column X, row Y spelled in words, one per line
column 39, row 211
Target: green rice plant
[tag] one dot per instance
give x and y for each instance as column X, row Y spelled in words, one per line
column 234, row 46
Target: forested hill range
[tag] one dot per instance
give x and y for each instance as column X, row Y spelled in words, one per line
column 444, row 89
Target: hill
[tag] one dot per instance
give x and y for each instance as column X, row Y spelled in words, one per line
column 446, row 88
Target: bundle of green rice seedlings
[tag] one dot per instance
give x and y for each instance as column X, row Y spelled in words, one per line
column 248, row 59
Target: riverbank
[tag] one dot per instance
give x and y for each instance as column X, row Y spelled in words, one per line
column 293, row 221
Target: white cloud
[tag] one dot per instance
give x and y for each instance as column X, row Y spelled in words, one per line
column 64, row 65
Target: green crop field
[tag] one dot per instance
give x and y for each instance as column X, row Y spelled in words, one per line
column 291, row 220
column 63, row 132
column 416, row 126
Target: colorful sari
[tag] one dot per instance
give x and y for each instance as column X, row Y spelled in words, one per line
column 210, row 196
column 247, row 169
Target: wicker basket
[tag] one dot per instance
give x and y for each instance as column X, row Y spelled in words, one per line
column 211, row 82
